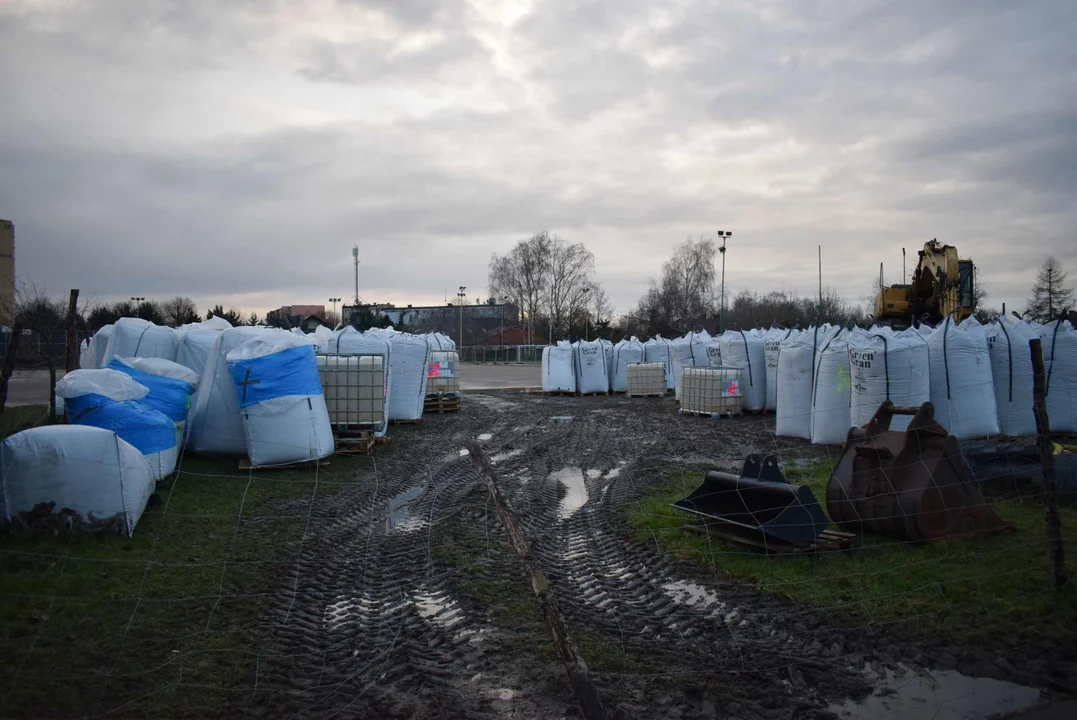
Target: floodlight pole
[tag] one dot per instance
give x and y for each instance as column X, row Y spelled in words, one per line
column 721, row 316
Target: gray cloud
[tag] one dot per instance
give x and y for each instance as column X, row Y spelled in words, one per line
column 235, row 153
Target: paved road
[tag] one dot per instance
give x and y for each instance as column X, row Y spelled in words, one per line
column 31, row 387
column 495, row 377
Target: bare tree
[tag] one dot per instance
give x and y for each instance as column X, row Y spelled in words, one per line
column 684, row 297
column 520, row 277
column 569, row 283
column 179, row 311
column 1051, row 297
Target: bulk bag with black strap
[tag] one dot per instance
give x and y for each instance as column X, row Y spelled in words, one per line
column 682, row 352
column 656, row 350
column 134, row 337
column 744, row 350
column 111, row 400
column 629, row 351
column 796, row 368
column 1059, row 341
column 772, row 343
column 88, row 470
column 885, row 365
column 962, row 387
column 285, row 419
column 592, row 372
column 558, row 373
column 831, row 392
column 1011, row 373
column 407, row 372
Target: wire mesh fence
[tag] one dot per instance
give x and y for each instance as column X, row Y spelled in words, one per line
column 512, row 354
column 383, row 586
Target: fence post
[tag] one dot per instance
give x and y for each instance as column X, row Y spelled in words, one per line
column 1047, row 457
column 9, row 362
column 72, row 362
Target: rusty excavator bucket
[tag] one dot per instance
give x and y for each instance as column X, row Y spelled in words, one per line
column 759, row 503
column 912, row 485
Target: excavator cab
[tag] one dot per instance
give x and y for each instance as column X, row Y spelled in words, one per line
column 942, row 285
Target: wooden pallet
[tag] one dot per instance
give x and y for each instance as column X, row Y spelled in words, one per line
column 570, row 393
column 361, row 445
column 441, row 405
column 245, row 465
column 351, row 432
column 583, row 394
column 828, row 540
column 700, row 413
column 406, row 422
column 646, row 395
column 383, row 440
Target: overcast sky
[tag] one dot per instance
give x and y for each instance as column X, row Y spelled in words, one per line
column 234, row 151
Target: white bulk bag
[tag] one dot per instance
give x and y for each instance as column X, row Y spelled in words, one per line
column 98, row 345
column 745, row 351
column 112, row 400
column 280, row 398
column 793, row 379
column 962, row 389
column 607, row 353
column 85, row 355
column 714, row 352
column 558, row 374
column 683, row 353
column 349, row 341
column 321, row 338
column 700, row 356
column 657, row 349
column 885, row 365
column 1011, row 373
column 772, row 342
column 86, row 469
column 831, row 392
column 194, row 348
column 627, row 352
column 408, row 376
column 1059, row 341
column 592, row 372
column 214, row 425
column 135, row 337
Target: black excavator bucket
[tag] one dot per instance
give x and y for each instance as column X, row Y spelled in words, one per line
column 911, row 484
column 758, row 503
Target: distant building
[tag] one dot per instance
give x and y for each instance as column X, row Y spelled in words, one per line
column 475, row 321
column 7, row 272
column 291, row 316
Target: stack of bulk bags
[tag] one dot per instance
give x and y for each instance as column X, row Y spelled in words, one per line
column 885, row 365
column 280, row 397
column 89, row 470
column 658, row 350
column 1011, row 373
column 772, row 342
column 683, row 356
column 110, row 399
column 349, row 341
column 796, row 371
column 134, row 337
column 214, row 426
column 558, row 374
column 744, row 351
column 629, row 351
column 831, row 392
column 321, row 338
column 1059, row 341
column 592, row 372
column 439, row 341
column 962, row 389
column 98, row 344
column 170, row 387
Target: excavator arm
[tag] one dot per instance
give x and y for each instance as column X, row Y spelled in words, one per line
column 941, row 284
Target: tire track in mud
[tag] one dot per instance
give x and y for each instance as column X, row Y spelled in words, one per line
column 373, row 627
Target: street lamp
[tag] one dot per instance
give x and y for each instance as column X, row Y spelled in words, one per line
column 586, row 317
column 136, row 301
column 461, row 297
column 724, row 234
column 335, row 301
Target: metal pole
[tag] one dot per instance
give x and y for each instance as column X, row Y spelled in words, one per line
column 820, row 282
column 721, row 315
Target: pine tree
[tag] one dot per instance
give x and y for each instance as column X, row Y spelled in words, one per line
column 1051, row 297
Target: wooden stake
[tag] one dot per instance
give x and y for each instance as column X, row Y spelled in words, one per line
column 72, row 332
column 9, row 362
column 585, row 690
column 1047, row 457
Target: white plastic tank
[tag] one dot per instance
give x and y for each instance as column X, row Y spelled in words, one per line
column 354, row 390
column 441, row 373
column 646, row 379
column 711, row 391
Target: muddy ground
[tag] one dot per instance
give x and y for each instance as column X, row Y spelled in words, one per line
column 406, row 601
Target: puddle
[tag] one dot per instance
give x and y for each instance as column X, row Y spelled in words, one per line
column 507, row 455
column 575, row 491
column 693, row 595
column 939, row 695
column 398, row 517
column 485, row 436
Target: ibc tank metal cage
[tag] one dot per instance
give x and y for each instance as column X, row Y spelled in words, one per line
column 711, row 391
column 354, row 387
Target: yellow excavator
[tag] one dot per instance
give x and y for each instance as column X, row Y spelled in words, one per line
column 941, row 285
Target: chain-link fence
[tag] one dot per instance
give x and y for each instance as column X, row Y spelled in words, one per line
column 515, row 354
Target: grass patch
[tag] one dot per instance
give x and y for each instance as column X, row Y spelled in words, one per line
column 963, row 590
column 159, row 624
